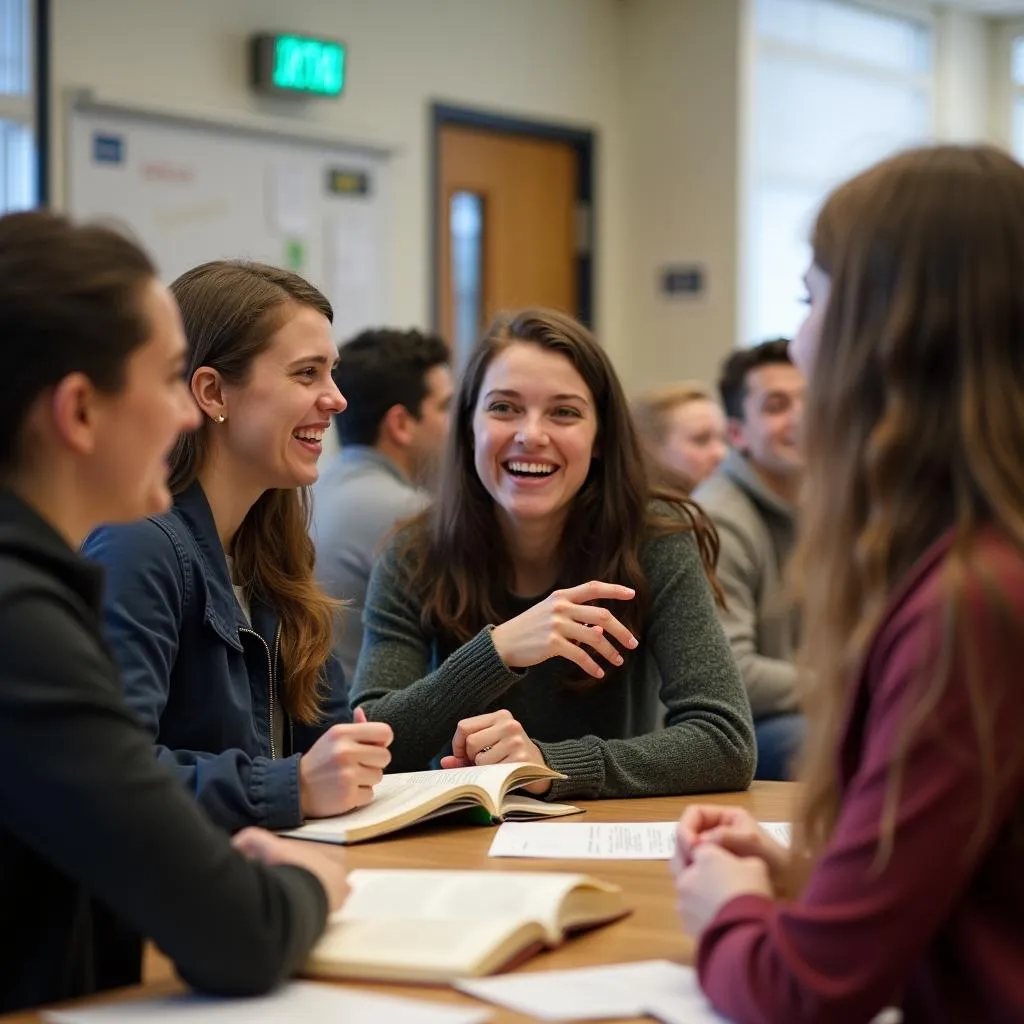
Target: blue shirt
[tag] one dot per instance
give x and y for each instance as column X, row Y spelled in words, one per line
column 200, row 677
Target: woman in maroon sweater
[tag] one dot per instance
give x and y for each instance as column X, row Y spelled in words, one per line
column 906, row 881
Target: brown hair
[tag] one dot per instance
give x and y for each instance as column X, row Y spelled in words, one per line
column 609, row 519
column 913, row 425
column 70, row 302
column 650, row 414
column 231, row 310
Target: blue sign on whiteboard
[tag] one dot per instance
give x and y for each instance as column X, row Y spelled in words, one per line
column 107, row 149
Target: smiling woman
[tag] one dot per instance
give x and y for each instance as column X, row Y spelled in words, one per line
column 221, row 632
column 553, row 604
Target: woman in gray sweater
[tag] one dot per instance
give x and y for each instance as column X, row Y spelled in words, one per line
column 551, row 607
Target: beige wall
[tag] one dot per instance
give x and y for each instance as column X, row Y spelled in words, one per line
column 682, row 98
column 549, row 59
column 661, row 81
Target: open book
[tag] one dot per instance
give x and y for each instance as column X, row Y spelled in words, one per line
column 434, row 926
column 406, row 798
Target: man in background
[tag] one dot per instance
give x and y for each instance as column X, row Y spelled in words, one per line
column 399, row 388
column 752, row 501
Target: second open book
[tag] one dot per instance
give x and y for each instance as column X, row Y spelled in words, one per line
column 406, row 798
column 435, row 926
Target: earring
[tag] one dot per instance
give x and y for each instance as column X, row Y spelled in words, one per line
column 219, row 419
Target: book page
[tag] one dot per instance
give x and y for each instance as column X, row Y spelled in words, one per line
column 410, row 950
column 400, row 895
column 519, row 806
column 299, row 1001
column 649, row 840
column 398, row 794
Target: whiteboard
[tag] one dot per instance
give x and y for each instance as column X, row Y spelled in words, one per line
column 192, row 190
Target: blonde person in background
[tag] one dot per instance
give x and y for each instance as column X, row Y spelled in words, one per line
column 682, row 430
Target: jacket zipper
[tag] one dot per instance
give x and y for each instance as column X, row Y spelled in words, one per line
column 270, row 683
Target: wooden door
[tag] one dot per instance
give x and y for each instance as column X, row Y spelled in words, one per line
column 507, row 228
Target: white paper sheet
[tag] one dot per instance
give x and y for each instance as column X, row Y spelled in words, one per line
column 780, row 831
column 299, row 1001
column 289, row 200
column 649, row 840
column 656, row 988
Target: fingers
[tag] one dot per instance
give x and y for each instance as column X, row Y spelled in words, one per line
column 694, row 824
column 451, row 761
column 482, row 742
column 255, row 843
column 593, row 616
column 739, row 841
column 378, row 734
column 468, row 726
column 595, row 639
column 366, row 743
column 514, row 746
column 359, row 716
column 595, row 590
column 573, row 652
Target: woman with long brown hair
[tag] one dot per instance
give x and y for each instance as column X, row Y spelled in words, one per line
column 904, row 884
column 222, row 634
column 540, row 609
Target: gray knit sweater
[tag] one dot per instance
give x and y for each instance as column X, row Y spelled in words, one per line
column 608, row 740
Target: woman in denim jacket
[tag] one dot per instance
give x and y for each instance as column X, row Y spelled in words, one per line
column 222, row 635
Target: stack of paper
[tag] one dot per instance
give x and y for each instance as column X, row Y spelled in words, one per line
column 299, row 1001
column 649, row 840
column 660, row 989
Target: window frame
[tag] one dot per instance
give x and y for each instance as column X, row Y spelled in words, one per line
column 752, row 181
column 24, row 109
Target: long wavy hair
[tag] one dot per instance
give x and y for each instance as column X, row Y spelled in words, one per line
column 914, row 424
column 452, row 544
column 231, row 311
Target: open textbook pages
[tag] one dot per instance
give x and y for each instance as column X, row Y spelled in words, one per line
column 434, row 925
column 407, row 798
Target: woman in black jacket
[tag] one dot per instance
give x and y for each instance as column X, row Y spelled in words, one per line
column 91, row 401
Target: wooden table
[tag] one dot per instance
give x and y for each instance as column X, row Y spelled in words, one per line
column 652, row 931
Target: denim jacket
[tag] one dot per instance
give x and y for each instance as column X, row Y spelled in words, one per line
column 195, row 671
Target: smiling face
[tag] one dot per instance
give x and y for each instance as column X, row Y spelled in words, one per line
column 276, row 418
column 769, row 432
column 534, row 428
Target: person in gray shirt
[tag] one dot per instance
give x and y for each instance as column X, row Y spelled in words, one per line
column 399, row 388
column 752, row 501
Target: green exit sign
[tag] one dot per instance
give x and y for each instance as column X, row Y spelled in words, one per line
column 288, row 64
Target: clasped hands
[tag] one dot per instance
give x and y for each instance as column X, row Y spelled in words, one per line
column 722, row 853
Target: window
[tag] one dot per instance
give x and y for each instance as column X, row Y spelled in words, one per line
column 17, row 142
column 1017, row 75
column 836, row 87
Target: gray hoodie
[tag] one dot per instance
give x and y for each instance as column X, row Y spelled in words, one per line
column 757, row 531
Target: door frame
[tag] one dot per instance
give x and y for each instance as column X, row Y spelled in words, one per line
column 580, row 139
